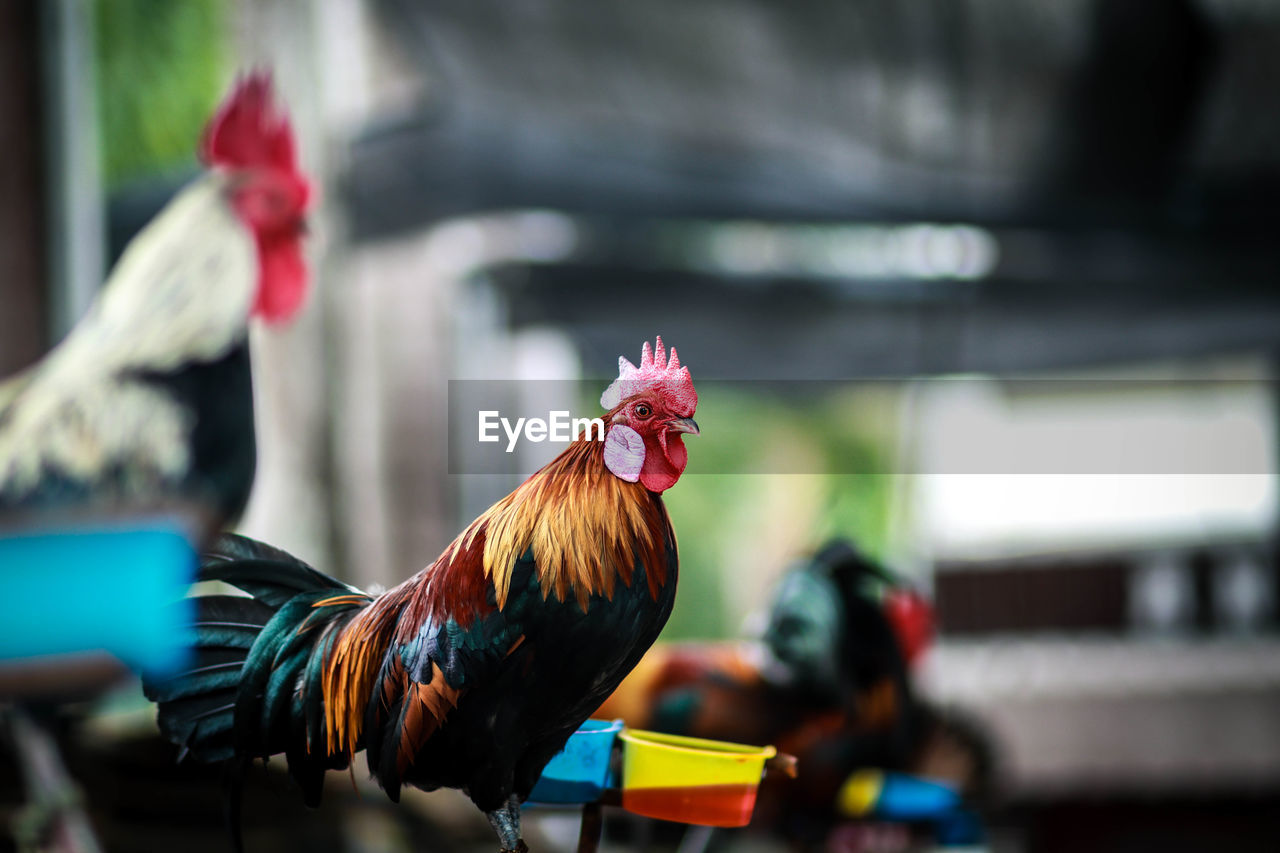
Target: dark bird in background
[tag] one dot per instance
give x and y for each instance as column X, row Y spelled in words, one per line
column 148, row 402
column 473, row 673
column 828, row 682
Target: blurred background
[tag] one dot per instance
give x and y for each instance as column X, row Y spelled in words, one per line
column 991, row 286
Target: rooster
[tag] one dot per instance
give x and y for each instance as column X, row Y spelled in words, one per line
column 473, row 673
column 829, row 683
column 148, row 402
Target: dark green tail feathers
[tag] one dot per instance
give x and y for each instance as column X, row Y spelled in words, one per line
column 253, row 687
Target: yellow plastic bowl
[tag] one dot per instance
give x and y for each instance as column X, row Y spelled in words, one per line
column 690, row 780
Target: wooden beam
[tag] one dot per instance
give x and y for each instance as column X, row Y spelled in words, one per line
column 23, row 318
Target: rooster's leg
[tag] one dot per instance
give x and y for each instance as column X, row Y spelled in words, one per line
column 506, row 822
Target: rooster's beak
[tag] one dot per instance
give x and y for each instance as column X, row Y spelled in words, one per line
column 686, row 425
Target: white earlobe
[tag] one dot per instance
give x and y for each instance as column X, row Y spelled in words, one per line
column 624, row 452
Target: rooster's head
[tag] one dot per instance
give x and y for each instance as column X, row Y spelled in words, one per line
column 253, row 142
column 650, row 408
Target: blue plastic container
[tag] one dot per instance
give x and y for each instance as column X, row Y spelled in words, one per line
column 913, row 798
column 896, row 796
column 97, row 589
column 580, row 773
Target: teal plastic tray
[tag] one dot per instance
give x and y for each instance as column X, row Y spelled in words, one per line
column 88, row 589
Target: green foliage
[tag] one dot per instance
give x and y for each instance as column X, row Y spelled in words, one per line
column 161, row 65
column 768, row 479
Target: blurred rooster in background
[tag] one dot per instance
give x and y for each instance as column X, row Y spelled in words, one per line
column 148, row 402
column 828, row 683
column 473, row 673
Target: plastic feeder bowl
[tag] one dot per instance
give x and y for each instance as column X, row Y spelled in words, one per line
column 896, row 796
column 691, row 780
column 579, row 773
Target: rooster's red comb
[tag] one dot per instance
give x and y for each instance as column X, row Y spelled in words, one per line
column 247, row 132
column 656, row 372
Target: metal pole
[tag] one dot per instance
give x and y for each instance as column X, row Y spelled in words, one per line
column 77, row 230
column 592, row 827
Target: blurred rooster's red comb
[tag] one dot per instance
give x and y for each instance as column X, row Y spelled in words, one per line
column 247, row 131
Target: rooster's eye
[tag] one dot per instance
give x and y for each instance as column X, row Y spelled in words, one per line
column 643, row 410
